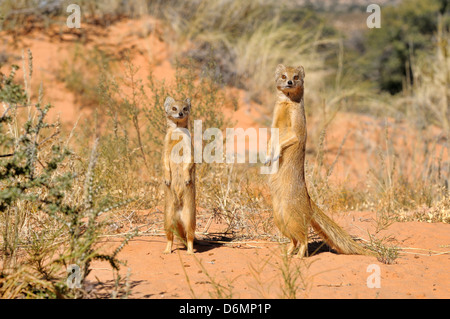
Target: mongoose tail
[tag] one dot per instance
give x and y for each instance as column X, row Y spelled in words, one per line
column 334, row 235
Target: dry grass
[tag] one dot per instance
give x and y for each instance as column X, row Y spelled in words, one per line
column 408, row 179
column 248, row 39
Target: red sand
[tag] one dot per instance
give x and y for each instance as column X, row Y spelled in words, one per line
column 250, row 269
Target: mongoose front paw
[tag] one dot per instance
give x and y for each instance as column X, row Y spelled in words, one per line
column 187, row 182
column 268, row 160
column 276, row 158
column 167, row 182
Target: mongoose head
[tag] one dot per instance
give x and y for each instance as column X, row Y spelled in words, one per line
column 177, row 111
column 289, row 80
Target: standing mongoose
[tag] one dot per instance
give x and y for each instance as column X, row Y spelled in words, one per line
column 293, row 209
column 179, row 176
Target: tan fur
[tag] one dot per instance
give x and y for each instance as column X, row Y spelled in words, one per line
column 293, row 209
column 179, row 178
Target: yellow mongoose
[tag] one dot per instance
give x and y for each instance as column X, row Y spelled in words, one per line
column 293, row 209
column 179, row 175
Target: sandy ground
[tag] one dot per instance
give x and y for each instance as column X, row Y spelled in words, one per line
column 255, row 269
column 250, row 269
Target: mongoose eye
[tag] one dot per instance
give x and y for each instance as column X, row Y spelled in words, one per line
column 185, row 109
column 296, row 78
column 283, row 77
column 174, row 109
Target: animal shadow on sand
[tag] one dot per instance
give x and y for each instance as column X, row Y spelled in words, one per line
column 210, row 242
column 319, row 246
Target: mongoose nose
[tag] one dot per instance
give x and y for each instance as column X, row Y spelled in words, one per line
column 289, row 82
column 180, row 114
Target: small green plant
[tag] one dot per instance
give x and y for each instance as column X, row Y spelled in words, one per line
column 384, row 253
column 294, row 276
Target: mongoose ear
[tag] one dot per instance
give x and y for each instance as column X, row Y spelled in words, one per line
column 188, row 102
column 301, row 70
column 168, row 103
column 280, row 68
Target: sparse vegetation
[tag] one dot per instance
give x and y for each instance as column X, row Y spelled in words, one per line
column 386, row 253
column 64, row 189
column 50, row 205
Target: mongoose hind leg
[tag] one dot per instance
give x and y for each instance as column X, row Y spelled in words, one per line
column 169, row 213
column 168, row 249
column 190, row 244
column 188, row 222
column 303, row 247
column 302, row 244
column 291, row 247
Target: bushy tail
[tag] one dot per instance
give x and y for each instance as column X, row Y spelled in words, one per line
column 334, row 235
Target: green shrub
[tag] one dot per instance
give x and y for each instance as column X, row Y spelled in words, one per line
column 49, row 205
column 406, row 30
